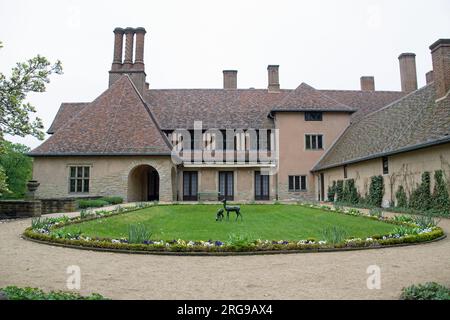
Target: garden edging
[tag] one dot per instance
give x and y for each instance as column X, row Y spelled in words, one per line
column 228, row 253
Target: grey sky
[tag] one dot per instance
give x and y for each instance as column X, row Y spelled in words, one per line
column 327, row 44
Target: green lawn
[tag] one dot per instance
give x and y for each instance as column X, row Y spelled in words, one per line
column 197, row 222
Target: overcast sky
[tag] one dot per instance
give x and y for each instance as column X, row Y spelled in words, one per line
column 327, row 44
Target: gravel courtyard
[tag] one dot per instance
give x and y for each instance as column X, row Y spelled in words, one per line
column 337, row 275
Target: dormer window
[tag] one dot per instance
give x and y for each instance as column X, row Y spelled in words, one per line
column 313, row 116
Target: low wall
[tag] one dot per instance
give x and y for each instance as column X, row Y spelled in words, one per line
column 58, row 205
column 20, row 208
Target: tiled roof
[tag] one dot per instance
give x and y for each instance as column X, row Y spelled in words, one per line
column 306, row 98
column 413, row 121
column 66, row 111
column 242, row 108
column 364, row 101
column 216, row 108
column 117, row 122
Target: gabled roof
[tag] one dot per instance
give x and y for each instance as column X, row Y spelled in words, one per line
column 118, row 122
column 412, row 122
column 66, row 111
column 306, row 98
column 242, row 108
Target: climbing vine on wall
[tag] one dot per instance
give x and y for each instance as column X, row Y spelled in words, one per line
column 350, row 193
column 376, row 191
column 339, row 190
column 440, row 198
column 332, row 191
column 400, row 195
column 420, row 198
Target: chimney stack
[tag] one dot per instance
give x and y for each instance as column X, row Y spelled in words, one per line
column 367, row 83
column 230, row 79
column 134, row 38
column 440, row 54
column 429, row 77
column 139, row 53
column 118, row 45
column 274, row 80
column 408, row 74
column 129, row 44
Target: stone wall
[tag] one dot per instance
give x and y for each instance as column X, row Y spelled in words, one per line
column 58, row 205
column 20, row 208
column 109, row 175
column 404, row 169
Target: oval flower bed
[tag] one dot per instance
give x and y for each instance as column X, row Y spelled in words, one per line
column 407, row 231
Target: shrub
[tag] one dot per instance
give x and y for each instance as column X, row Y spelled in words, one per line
column 376, row 191
column 15, row 293
column 403, row 231
column 420, row 198
column 239, row 241
column 376, row 212
column 427, row 291
column 334, row 234
column 440, row 199
column 339, row 190
column 400, row 195
column 138, row 233
column 83, row 204
column 350, row 194
column 404, row 219
column 112, row 200
column 331, row 191
column 427, row 220
column 86, row 213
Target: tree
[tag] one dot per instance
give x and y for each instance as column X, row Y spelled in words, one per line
column 15, row 113
column 17, row 167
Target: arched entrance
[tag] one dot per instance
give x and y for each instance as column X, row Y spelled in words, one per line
column 143, row 184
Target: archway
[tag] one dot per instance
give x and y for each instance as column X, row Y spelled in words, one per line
column 143, row 184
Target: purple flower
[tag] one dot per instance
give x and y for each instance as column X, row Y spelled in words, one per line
column 218, row 243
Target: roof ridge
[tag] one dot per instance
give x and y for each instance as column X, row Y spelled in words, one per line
column 311, row 88
column 150, row 113
column 113, row 120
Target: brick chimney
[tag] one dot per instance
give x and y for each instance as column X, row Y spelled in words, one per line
column 367, row 83
column 408, row 74
column 230, row 79
column 274, row 80
column 440, row 54
column 118, row 45
column 134, row 39
column 429, row 77
column 139, row 53
column 129, row 44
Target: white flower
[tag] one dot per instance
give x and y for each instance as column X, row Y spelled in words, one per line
column 115, row 241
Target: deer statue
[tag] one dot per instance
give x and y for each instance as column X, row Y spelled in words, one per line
column 229, row 209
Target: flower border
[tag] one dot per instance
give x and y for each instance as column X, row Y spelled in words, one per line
column 183, row 247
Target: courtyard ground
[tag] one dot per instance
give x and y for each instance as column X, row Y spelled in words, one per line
column 334, row 275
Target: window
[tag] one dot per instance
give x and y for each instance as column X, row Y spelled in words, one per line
column 79, row 179
column 385, row 165
column 226, row 185
column 209, row 141
column 297, row 183
column 313, row 142
column 261, row 186
column 190, row 186
column 313, row 116
column 345, row 171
